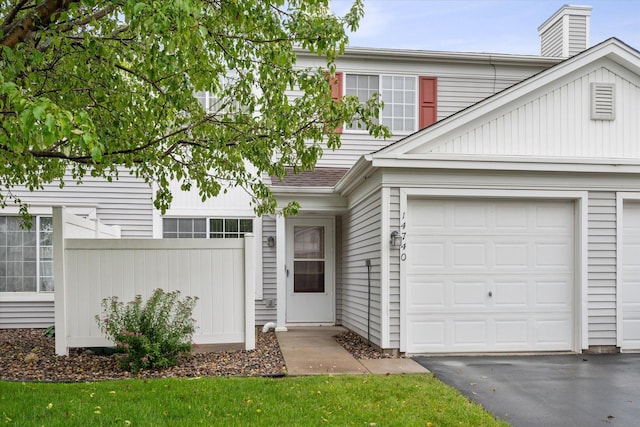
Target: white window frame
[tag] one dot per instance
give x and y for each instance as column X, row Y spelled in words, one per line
column 381, row 76
column 38, row 259
column 208, row 232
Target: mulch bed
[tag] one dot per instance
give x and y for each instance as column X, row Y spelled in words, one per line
column 358, row 347
column 27, row 355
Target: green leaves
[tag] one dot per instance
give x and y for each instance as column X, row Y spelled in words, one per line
column 111, row 84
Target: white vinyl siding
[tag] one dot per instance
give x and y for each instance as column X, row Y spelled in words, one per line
column 361, row 241
column 22, row 314
column 578, row 34
column 602, row 268
column 394, row 273
column 551, row 40
column 266, row 314
column 558, row 124
column 125, row 202
column 456, row 93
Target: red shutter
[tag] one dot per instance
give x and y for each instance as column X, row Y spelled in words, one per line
column 428, row 101
column 336, row 92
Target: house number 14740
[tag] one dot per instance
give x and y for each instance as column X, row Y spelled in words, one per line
column 403, row 232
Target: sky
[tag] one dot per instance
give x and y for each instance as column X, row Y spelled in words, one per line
column 492, row 26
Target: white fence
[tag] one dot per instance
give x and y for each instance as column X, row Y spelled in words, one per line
column 220, row 272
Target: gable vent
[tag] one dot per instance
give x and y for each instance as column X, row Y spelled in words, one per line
column 603, row 101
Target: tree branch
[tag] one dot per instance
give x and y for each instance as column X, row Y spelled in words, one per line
column 12, row 14
column 97, row 15
column 40, row 17
column 130, row 71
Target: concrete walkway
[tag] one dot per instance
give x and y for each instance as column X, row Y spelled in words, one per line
column 314, row 351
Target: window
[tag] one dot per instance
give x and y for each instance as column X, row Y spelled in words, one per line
column 230, row 227
column 26, row 256
column 399, row 96
column 403, row 112
column 362, row 86
column 203, row 228
column 398, row 93
column 184, row 228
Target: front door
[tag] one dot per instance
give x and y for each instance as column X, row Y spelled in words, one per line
column 310, row 275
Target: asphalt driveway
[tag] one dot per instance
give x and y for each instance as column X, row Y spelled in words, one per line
column 555, row 390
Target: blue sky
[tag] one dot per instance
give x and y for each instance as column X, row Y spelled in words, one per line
column 495, row 26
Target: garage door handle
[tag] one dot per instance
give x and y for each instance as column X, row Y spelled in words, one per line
column 490, row 294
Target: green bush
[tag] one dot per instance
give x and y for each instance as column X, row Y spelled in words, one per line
column 152, row 335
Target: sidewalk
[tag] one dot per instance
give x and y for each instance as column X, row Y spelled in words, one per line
column 313, row 351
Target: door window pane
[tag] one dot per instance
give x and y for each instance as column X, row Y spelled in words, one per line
column 308, row 242
column 308, row 276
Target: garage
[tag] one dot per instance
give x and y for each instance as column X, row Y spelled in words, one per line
column 630, row 289
column 488, row 275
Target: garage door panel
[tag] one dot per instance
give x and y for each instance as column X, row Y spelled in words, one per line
column 426, row 295
column 630, row 292
column 469, row 293
column 469, row 255
column 511, row 293
column 470, row 216
column 427, row 255
column 499, row 279
column 510, row 332
column 553, row 331
column 512, row 218
column 554, row 255
column 470, row 332
column 553, row 293
column 510, row 255
column 552, row 217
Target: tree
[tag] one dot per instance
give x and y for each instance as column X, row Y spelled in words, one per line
column 91, row 87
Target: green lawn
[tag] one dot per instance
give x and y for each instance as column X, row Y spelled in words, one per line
column 399, row 400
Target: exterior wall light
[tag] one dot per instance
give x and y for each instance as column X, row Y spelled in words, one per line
column 396, row 239
column 271, row 241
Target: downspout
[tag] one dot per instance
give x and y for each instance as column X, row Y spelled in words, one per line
column 368, row 263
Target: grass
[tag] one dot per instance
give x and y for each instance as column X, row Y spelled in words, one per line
column 399, row 400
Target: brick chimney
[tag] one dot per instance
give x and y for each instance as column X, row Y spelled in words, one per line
column 566, row 33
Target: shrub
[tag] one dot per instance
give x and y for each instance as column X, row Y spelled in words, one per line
column 151, row 335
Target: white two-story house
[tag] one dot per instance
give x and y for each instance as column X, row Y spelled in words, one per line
column 501, row 215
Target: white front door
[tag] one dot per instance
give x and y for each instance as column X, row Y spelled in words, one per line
column 310, row 275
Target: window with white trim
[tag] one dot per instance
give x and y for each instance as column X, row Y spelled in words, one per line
column 399, row 94
column 206, row 228
column 26, row 255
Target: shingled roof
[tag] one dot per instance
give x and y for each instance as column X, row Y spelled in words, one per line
column 320, row 177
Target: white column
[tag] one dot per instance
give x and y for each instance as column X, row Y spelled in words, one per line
column 281, row 273
column 249, row 292
column 59, row 282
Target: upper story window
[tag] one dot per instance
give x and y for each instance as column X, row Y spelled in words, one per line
column 26, row 256
column 216, row 105
column 409, row 101
column 203, row 228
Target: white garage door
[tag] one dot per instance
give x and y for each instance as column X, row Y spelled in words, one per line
column 630, row 292
column 489, row 275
